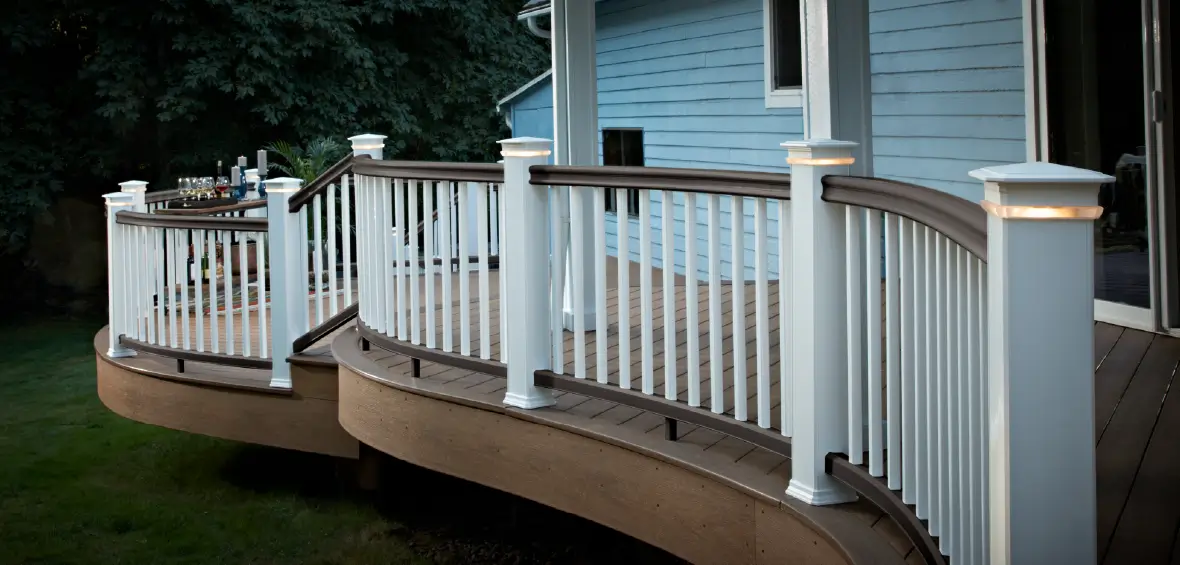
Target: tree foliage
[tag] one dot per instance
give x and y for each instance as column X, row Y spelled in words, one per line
column 93, row 92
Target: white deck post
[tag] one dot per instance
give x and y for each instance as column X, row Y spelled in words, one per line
column 369, row 144
column 370, row 298
column 138, row 191
column 117, row 273
column 286, row 280
column 1040, row 315
column 819, row 322
column 527, row 275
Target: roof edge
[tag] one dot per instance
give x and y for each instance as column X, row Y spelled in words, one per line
column 528, row 86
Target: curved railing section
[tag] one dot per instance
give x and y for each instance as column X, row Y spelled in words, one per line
column 325, row 241
column 429, row 246
column 652, row 272
column 916, row 287
column 191, row 287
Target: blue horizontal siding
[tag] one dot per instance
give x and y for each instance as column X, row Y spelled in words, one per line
column 948, row 90
column 690, row 74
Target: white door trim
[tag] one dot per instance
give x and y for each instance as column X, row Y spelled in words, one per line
column 1037, row 149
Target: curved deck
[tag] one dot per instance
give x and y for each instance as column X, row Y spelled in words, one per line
column 707, row 498
column 227, row 402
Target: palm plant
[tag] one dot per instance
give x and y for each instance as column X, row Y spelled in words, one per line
column 306, row 164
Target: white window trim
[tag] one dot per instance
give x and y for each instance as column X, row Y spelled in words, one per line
column 782, row 97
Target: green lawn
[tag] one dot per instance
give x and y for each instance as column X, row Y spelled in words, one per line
column 79, row 484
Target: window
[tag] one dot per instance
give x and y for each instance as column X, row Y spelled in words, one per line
column 622, row 148
column 783, row 25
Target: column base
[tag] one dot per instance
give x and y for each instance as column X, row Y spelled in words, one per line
column 280, row 378
column 120, row 352
column 568, row 320
column 539, row 399
column 835, row 494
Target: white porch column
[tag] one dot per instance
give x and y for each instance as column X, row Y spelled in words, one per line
column 575, row 93
column 527, row 273
column 819, row 323
column 118, row 275
column 1040, row 316
column 287, row 278
column 837, row 100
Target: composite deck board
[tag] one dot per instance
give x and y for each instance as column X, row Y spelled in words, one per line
column 1136, row 453
column 757, row 468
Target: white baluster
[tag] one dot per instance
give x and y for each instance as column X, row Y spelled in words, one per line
column 692, row 319
column 669, row 275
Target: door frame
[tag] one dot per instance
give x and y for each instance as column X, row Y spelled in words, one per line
column 1164, row 313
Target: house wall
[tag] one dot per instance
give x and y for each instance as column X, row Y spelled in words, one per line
column 532, row 113
column 690, row 74
column 948, row 90
column 947, row 87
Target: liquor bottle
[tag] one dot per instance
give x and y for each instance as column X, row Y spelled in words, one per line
column 205, row 268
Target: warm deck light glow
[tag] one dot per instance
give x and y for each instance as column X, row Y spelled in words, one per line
column 364, row 147
column 1089, row 213
column 526, row 153
column 821, row 161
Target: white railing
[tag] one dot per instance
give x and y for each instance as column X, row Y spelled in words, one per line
column 327, row 238
column 708, row 326
column 898, row 337
column 158, row 299
column 916, row 326
column 429, row 244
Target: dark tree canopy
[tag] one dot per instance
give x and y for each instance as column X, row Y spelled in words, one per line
column 93, row 92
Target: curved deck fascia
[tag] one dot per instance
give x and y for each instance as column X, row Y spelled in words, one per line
column 229, row 403
column 641, row 490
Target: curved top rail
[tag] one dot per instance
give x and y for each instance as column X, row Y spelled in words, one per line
column 962, row 221
column 248, row 205
column 732, row 183
column 320, row 184
column 416, row 170
column 161, row 196
column 191, row 222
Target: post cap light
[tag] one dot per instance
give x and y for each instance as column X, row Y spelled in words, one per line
column 820, row 152
column 251, row 175
column 526, row 147
column 133, row 186
column 367, row 141
column 1088, row 213
column 118, row 199
column 1039, row 173
column 282, row 185
column 821, row 162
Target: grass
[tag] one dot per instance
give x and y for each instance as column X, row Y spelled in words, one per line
column 79, row 484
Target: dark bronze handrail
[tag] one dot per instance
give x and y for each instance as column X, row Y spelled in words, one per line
column 248, row 205
column 216, row 223
column 161, row 196
column 330, row 325
column 415, row 170
column 321, row 183
column 729, row 183
column 960, row 220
